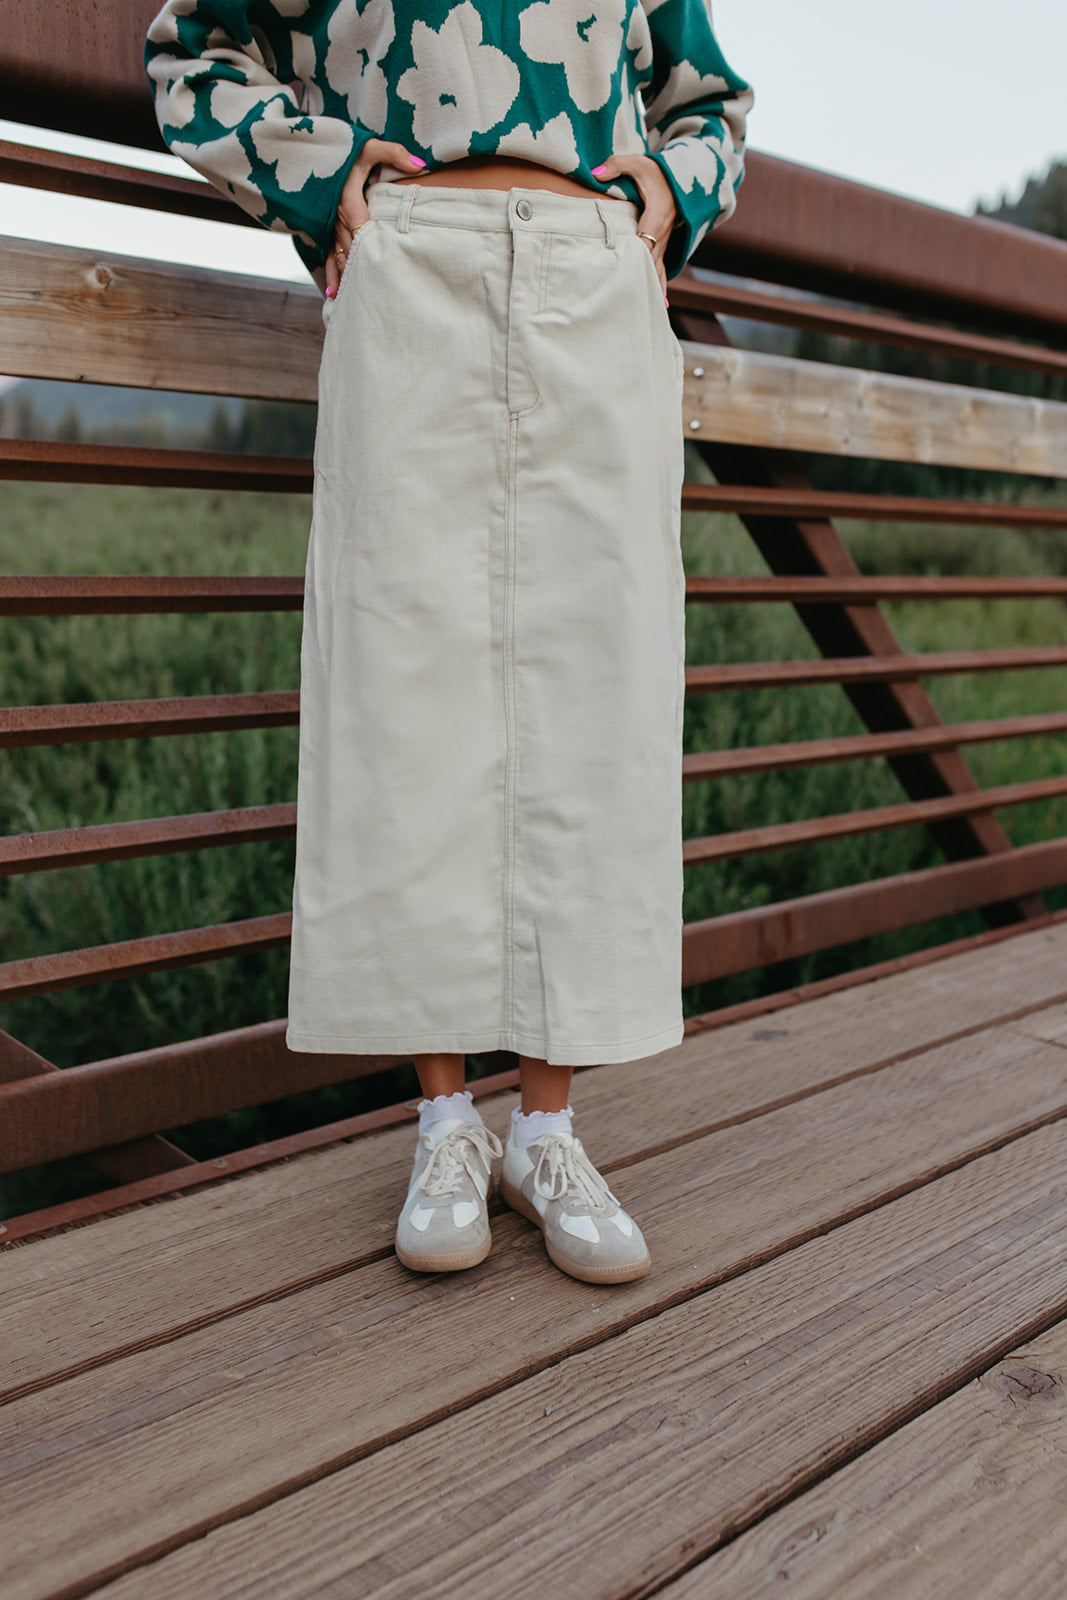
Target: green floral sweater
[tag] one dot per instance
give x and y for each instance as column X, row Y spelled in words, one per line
column 273, row 100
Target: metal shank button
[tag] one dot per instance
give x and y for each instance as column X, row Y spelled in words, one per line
column 524, row 209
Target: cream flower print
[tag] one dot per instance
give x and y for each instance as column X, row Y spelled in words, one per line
column 691, row 162
column 178, row 105
column 206, row 155
column 299, row 150
column 458, row 85
column 556, row 136
column 639, row 40
column 584, row 36
column 626, row 137
column 273, row 100
column 359, row 41
column 685, row 84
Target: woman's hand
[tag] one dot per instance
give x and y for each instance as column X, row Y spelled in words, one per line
column 658, row 217
column 352, row 212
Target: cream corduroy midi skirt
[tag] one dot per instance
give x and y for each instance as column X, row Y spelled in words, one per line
column 488, row 849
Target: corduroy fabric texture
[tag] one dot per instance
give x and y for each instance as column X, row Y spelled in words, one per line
column 492, row 671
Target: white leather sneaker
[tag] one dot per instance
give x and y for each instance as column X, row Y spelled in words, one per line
column 587, row 1233
column 444, row 1224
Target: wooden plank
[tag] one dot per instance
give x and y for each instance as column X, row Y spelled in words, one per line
column 1049, row 1023
column 616, row 1467
column 127, row 1457
column 65, row 313
column 965, row 1503
column 745, row 397
column 255, row 1239
column 117, row 319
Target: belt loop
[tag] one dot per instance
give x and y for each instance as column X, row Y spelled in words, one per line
column 609, row 226
column 404, row 216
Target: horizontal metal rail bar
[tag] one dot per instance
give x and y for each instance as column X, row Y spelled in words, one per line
column 65, row 596
column 846, row 825
column 820, row 503
column 81, row 1108
column 741, row 941
column 129, row 958
column 155, row 836
column 817, row 232
column 691, row 294
column 138, row 719
column 835, row 591
column 789, row 756
column 54, row 461
column 25, row 165
column 868, row 669
column 68, row 595
column 127, row 719
column 716, row 947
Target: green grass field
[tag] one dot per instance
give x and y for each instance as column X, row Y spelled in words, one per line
column 56, row 529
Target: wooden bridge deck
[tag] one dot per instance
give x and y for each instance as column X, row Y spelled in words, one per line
column 843, row 1377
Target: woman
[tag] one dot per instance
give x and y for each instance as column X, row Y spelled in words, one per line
column 489, row 796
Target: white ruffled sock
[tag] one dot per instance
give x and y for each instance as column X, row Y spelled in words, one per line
column 529, row 1126
column 459, row 1105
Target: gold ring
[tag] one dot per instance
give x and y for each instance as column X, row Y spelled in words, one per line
column 339, row 250
column 649, row 236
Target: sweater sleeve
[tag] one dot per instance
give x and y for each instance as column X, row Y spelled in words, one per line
column 226, row 102
column 695, row 112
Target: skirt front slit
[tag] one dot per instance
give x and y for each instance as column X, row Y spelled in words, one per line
column 492, row 666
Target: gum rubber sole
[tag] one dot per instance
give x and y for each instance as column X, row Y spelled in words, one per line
column 574, row 1269
column 458, row 1262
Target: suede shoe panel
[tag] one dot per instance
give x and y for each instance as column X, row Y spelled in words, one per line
column 444, row 1223
column 587, row 1233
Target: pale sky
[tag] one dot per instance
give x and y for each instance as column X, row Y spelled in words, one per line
column 945, row 100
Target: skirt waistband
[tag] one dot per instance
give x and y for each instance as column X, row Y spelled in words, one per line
column 501, row 210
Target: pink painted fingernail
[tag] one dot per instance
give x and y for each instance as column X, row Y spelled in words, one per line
column 666, row 302
column 598, row 172
column 416, row 161
column 330, row 292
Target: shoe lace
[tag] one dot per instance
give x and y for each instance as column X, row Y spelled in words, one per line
column 455, row 1157
column 564, row 1170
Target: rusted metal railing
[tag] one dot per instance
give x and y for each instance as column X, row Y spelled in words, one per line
column 971, row 290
